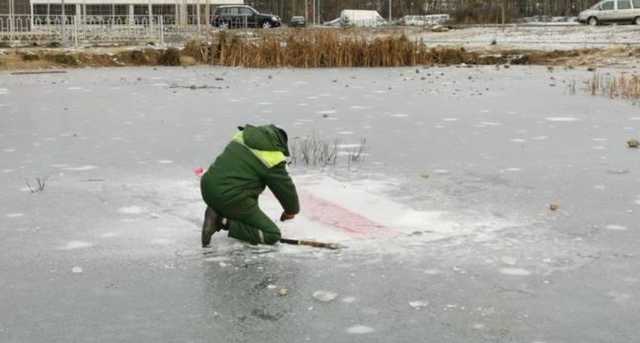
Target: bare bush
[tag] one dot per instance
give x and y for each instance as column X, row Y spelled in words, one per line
column 313, row 151
column 39, row 185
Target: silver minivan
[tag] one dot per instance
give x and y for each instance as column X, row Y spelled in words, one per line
column 609, row 11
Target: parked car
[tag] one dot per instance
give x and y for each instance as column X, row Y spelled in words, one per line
column 297, row 21
column 608, row 11
column 423, row 20
column 243, row 16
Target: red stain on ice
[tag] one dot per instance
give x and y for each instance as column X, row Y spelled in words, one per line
column 332, row 214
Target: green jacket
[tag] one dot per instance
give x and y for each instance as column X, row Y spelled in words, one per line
column 254, row 159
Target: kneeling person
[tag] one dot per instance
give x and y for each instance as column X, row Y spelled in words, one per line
column 254, row 159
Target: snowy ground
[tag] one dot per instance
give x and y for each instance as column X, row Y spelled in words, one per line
column 447, row 224
column 538, row 37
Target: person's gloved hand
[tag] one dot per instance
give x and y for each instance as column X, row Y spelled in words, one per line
column 285, row 216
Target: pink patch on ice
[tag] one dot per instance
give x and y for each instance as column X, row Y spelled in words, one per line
column 199, row 171
column 331, row 214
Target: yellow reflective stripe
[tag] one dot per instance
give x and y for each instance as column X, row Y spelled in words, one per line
column 269, row 158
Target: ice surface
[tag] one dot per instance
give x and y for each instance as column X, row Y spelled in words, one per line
column 475, row 233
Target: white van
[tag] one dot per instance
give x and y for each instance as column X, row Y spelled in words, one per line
column 609, row 11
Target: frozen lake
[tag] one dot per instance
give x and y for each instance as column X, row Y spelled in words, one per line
column 447, row 223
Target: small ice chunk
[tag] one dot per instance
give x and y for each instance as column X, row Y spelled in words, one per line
column 76, row 245
column 324, row 296
column 418, row 304
column 515, row 271
column 615, row 227
column 359, row 330
column 271, row 286
column 76, row 270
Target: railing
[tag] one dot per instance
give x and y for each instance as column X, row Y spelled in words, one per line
column 82, row 29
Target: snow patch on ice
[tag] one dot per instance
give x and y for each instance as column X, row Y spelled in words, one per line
column 324, row 296
column 132, row 210
column 418, row 304
column 14, row 215
column 561, row 119
column 399, row 115
column 510, row 170
column 514, row 271
column 80, row 168
column 326, row 112
column 9, row 150
column 72, row 245
column 109, row 235
column 518, row 140
column 348, row 300
column 359, row 330
column 615, row 227
column 165, row 161
column 345, row 132
column 539, row 138
column 76, row 270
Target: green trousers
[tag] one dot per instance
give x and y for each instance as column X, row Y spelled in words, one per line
column 246, row 221
column 253, row 226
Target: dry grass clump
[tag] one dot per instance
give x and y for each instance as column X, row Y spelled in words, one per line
column 623, row 86
column 323, row 48
column 313, row 151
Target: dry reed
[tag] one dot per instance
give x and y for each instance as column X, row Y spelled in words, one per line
column 622, row 86
column 322, row 48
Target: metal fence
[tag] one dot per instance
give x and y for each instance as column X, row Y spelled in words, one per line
column 86, row 29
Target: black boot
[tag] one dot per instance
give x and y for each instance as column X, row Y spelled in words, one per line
column 212, row 224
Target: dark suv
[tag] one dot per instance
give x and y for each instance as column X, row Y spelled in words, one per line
column 243, row 16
